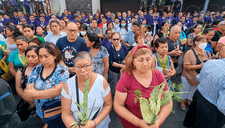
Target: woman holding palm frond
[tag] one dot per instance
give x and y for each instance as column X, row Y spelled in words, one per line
column 89, row 88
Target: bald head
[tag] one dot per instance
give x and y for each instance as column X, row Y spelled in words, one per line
column 71, row 24
column 222, row 52
column 72, row 31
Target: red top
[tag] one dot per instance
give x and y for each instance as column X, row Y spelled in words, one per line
column 129, row 82
column 215, row 29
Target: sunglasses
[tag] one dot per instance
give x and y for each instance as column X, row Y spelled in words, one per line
column 116, row 39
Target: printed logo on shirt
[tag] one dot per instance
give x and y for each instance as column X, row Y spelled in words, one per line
column 69, row 54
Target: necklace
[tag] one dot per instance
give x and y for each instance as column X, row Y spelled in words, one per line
column 95, row 52
column 163, row 63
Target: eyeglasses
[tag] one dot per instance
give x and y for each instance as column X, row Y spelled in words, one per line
column 72, row 31
column 79, row 67
column 116, row 39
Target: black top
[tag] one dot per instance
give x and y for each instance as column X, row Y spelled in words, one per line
column 159, row 34
column 217, row 35
column 24, row 78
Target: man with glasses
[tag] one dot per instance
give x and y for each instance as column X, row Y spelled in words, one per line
column 70, row 45
column 95, row 29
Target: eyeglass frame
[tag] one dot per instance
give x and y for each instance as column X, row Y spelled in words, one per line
column 86, row 66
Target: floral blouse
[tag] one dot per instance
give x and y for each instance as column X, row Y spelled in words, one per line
column 98, row 60
column 59, row 74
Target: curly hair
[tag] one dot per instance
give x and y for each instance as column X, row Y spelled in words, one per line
column 129, row 67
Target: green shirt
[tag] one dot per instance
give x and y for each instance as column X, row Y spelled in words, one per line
column 42, row 40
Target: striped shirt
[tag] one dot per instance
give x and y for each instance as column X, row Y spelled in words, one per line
column 212, row 83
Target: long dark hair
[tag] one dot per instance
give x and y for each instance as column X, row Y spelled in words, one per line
column 125, row 25
column 15, row 29
column 94, row 37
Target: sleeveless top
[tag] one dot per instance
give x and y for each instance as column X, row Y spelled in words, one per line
column 96, row 94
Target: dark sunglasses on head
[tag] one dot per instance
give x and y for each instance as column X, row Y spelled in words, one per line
column 116, row 39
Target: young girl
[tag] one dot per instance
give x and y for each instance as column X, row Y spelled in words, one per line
column 164, row 62
column 40, row 31
column 29, row 33
column 209, row 33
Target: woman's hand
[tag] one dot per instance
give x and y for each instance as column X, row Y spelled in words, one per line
column 90, row 124
column 201, row 64
column 29, row 91
column 6, row 53
column 154, row 126
column 166, row 71
column 142, row 124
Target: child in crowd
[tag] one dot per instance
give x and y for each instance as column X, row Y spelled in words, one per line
column 163, row 62
column 103, row 25
column 117, row 24
column 40, row 31
column 42, row 22
column 32, row 21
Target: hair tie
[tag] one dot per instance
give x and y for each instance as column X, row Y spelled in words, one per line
column 138, row 47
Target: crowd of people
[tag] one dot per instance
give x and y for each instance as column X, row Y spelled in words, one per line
column 45, row 59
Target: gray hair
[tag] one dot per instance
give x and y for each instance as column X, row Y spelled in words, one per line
column 83, row 55
column 113, row 14
column 222, row 22
column 174, row 27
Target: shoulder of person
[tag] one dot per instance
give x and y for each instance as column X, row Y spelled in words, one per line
column 80, row 39
column 169, row 57
column 123, row 46
column 14, row 53
column 37, row 68
column 62, row 39
column 189, row 52
column 63, row 33
column 126, row 76
column 2, row 43
column 110, row 48
column 155, row 55
column 62, row 68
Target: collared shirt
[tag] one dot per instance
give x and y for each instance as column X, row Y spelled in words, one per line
column 96, row 31
column 212, row 83
column 52, row 38
column 129, row 38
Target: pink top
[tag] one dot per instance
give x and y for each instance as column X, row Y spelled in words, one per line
column 129, row 82
column 222, row 40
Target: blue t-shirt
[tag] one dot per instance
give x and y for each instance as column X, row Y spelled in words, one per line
column 208, row 48
column 129, row 38
column 117, row 57
column 70, row 49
